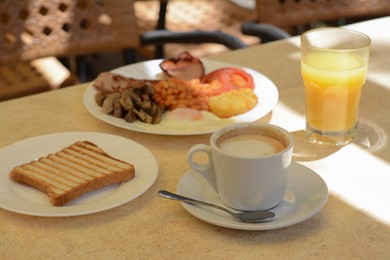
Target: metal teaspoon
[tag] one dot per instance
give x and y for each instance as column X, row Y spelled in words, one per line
column 245, row 216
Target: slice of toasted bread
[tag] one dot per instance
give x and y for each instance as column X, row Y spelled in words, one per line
column 73, row 171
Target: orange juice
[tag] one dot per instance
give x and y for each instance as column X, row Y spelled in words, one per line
column 333, row 83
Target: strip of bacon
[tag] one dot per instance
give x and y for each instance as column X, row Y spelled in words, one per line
column 109, row 82
column 185, row 66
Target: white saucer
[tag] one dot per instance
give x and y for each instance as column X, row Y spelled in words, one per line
column 306, row 194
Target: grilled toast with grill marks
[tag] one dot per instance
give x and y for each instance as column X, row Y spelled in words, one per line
column 73, row 171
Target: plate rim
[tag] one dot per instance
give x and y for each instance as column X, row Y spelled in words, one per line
column 271, row 225
column 92, row 107
column 143, row 184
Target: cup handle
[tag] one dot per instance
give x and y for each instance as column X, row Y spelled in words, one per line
column 206, row 170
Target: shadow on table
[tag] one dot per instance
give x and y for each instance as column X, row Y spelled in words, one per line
column 324, row 231
column 265, row 119
column 370, row 137
column 306, row 151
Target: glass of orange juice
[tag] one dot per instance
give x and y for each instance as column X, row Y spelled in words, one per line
column 333, row 66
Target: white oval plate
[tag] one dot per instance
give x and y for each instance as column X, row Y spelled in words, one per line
column 26, row 200
column 265, row 90
column 306, row 194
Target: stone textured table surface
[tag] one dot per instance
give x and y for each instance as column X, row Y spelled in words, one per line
column 354, row 223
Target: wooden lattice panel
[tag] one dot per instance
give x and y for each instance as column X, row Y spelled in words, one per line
column 285, row 13
column 38, row 28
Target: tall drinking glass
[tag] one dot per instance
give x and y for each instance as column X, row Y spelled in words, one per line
column 333, row 66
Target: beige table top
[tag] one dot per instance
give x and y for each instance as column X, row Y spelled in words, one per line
column 354, row 223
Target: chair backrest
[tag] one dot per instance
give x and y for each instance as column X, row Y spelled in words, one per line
column 191, row 15
column 289, row 13
column 32, row 29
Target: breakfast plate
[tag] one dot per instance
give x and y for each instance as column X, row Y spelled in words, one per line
column 306, row 194
column 26, row 200
column 265, row 90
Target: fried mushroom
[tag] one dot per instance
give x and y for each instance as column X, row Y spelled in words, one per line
column 131, row 104
column 108, row 103
column 126, row 100
column 100, row 97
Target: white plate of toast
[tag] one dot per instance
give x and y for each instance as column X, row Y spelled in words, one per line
column 23, row 199
column 265, row 90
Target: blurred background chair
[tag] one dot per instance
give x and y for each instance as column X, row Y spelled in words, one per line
column 185, row 16
column 35, row 34
column 47, row 44
column 296, row 16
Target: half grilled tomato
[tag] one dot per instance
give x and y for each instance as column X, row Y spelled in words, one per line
column 227, row 79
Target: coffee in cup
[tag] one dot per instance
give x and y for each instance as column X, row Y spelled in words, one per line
column 251, row 142
column 247, row 164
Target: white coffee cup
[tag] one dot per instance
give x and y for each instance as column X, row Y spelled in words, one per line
column 247, row 164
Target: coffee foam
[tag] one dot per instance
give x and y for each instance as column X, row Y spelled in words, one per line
column 253, row 141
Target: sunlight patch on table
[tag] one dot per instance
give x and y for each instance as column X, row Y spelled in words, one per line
column 359, row 178
column 287, row 118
